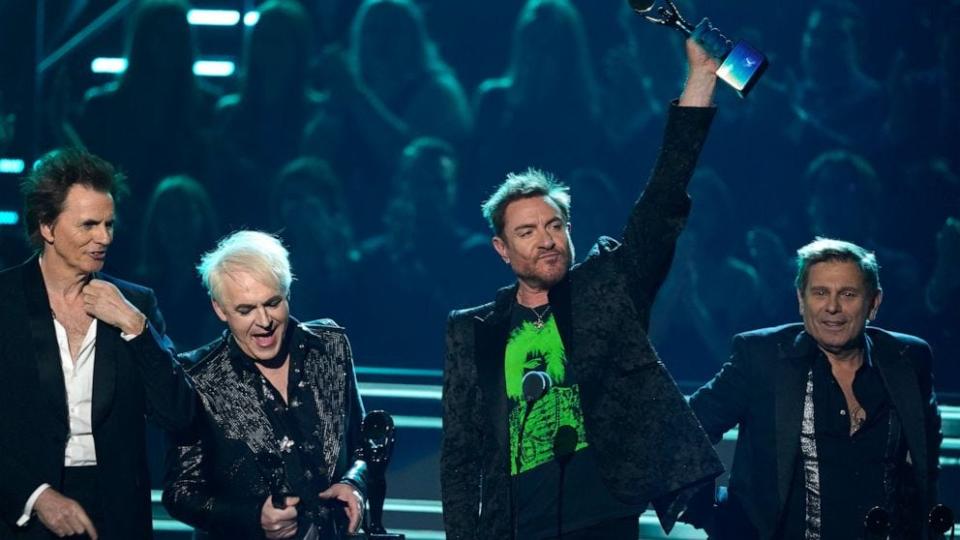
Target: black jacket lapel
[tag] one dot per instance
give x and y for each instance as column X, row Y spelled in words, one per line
column 560, row 303
column 901, row 384
column 492, row 331
column 791, row 377
column 43, row 336
column 104, row 371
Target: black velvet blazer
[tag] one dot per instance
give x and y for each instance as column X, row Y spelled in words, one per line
column 131, row 380
column 648, row 442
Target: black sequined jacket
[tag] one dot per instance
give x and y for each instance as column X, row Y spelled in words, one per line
column 220, row 473
column 649, row 444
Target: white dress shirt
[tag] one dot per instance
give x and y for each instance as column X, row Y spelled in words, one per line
column 78, row 381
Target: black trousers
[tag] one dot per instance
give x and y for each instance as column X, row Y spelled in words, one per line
column 624, row 528
column 82, row 485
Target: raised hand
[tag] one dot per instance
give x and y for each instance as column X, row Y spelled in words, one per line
column 701, row 77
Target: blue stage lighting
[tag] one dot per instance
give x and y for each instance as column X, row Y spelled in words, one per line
column 9, row 217
column 213, row 17
column 11, row 166
column 201, row 68
column 213, row 68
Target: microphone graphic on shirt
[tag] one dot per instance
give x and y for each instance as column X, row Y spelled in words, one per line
column 535, row 385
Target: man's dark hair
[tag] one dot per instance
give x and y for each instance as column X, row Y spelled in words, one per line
column 46, row 188
column 829, row 250
column 530, row 183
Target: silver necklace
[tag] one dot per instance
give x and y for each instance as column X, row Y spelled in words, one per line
column 539, row 323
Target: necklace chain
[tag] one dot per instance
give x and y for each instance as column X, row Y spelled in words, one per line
column 540, row 316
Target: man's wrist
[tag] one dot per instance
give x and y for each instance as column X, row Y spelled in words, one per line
column 135, row 326
column 699, row 89
column 29, row 506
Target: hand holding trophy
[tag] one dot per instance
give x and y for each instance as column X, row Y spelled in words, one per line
column 741, row 64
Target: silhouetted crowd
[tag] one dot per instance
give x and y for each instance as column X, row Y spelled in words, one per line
column 366, row 134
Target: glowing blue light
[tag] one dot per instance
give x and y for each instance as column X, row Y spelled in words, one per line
column 403, row 391
column 213, row 68
column 399, row 372
column 9, row 217
column 213, row 17
column 251, row 18
column 170, row 525
column 201, row 68
column 950, row 412
column 419, row 534
column 415, row 506
column 420, row 422
column 108, row 65
column 11, row 166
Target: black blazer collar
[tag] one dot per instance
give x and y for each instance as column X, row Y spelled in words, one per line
column 108, row 346
column 490, row 340
column 900, row 380
column 792, row 368
column 47, row 351
column 559, row 297
column 43, row 336
column 499, row 313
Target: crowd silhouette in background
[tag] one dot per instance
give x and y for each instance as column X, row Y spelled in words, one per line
column 366, row 134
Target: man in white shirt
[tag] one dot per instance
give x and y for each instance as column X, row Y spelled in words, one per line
column 84, row 360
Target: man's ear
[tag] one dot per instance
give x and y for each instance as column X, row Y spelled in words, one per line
column 800, row 301
column 218, row 310
column 875, row 305
column 501, row 247
column 46, row 232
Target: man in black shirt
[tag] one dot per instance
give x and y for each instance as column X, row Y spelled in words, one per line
column 273, row 454
column 835, row 417
column 612, row 433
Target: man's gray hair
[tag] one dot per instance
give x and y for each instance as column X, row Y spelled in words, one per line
column 255, row 252
column 530, row 183
column 828, row 250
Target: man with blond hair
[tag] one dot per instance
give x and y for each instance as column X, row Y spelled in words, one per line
column 273, row 452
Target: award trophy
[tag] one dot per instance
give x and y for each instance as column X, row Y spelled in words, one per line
column 741, row 64
column 378, row 434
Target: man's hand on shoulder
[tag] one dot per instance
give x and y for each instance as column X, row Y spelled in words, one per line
column 104, row 301
column 701, row 77
column 63, row 516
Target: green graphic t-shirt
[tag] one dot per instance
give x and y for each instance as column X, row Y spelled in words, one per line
column 536, row 346
column 547, row 486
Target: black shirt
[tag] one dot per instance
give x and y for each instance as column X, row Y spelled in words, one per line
column 856, row 471
column 300, row 470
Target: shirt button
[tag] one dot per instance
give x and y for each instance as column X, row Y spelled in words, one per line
column 843, row 412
